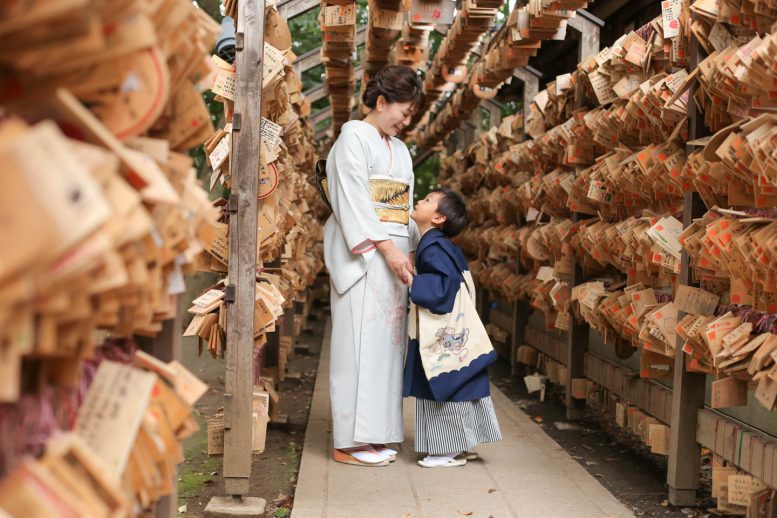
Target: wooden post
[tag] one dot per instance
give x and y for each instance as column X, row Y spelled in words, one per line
column 689, row 387
column 577, row 336
column 272, row 349
column 167, row 347
column 520, row 307
column 531, row 87
column 494, row 113
column 452, row 143
column 577, row 346
column 588, row 26
column 289, row 324
column 473, row 126
column 241, row 286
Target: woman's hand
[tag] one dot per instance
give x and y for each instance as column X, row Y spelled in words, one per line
column 398, row 262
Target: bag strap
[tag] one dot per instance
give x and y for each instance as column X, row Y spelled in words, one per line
column 461, row 268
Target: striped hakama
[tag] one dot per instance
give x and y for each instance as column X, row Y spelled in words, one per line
column 451, row 426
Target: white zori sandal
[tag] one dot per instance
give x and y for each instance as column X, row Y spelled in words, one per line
column 468, row 455
column 360, row 458
column 431, row 461
column 387, row 452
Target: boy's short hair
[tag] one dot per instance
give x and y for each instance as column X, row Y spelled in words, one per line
column 454, row 208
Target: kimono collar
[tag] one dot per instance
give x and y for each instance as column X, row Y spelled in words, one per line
column 433, row 235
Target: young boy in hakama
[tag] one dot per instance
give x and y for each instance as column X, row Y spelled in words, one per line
column 447, row 373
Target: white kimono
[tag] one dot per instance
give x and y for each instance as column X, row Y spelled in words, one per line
column 369, row 304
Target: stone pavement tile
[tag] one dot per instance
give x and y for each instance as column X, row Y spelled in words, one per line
column 383, row 486
column 370, row 511
column 544, row 508
column 431, row 480
column 456, row 504
column 300, row 511
column 558, row 496
column 551, row 488
column 519, row 459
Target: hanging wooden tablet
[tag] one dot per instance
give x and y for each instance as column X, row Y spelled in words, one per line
column 138, row 97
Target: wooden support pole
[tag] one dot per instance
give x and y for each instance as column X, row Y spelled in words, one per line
column 166, row 346
column 688, row 387
column 451, row 144
column 687, row 398
column 289, row 317
column 494, row 113
column 531, row 87
column 520, row 307
column 520, row 320
column 588, row 27
column 241, row 284
column 474, row 126
column 577, row 335
column 272, row 349
column 577, row 347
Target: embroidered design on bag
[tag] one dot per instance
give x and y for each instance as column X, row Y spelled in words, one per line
column 449, row 342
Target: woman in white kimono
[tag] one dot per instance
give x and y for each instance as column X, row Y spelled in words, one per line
column 367, row 241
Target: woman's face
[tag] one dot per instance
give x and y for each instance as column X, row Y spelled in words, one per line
column 391, row 118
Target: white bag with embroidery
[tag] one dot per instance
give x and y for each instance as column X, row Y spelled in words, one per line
column 449, row 344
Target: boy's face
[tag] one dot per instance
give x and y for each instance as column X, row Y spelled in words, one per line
column 425, row 212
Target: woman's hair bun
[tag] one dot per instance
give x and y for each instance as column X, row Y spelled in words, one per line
column 397, row 84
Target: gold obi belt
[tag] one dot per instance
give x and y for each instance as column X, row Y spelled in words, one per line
column 391, row 199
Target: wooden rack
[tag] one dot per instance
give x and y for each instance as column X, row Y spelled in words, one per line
column 679, row 403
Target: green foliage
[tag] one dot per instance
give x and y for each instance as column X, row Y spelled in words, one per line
column 312, row 77
column 320, row 104
column 362, row 15
column 305, row 32
column 435, row 38
column 485, row 119
column 511, row 107
column 323, row 124
column 212, row 7
column 426, row 176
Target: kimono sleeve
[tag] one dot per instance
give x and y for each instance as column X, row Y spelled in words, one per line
column 437, row 283
column 348, row 177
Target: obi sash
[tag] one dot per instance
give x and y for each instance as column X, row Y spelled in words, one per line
column 391, row 199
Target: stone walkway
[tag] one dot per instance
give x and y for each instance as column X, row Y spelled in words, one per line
column 525, row 475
